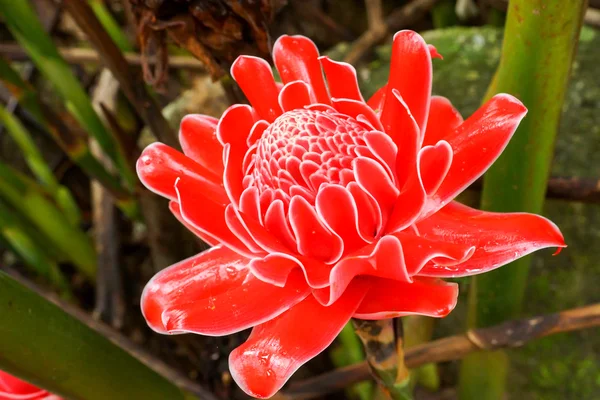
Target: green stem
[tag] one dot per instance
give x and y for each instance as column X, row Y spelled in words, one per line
column 110, row 25
column 349, row 351
column 539, row 45
column 41, row 343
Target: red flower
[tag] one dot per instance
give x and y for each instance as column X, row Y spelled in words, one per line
column 12, row 388
column 322, row 207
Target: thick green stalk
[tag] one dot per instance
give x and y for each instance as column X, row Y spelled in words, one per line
column 39, row 167
column 25, row 196
column 44, row 345
column 418, row 329
column 64, row 134
column 29, row 246
column 25, row 26
column 540, row 42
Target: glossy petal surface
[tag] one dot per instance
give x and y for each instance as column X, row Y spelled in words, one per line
column 498, row 238
column 276, row 349
column 213, row 294
column 12, row 388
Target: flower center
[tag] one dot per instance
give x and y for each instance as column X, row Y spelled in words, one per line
column 303, row 149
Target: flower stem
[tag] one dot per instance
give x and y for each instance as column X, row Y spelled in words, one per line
column 383, row 341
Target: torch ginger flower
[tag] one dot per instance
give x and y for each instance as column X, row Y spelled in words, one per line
column 321, row 207
column 12, row 388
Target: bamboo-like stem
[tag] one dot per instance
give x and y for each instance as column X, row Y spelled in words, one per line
column 510, row 334
column 384, row 347
column 540, row 42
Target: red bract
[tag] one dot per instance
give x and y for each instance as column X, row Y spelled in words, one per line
column 12, row 388
column 322, row 207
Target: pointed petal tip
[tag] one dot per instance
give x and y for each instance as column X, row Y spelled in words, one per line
column 510, row 104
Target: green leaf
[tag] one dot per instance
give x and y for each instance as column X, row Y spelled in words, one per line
column 25, row 26
column 41, row 343
column 40, row 168
column 30, row 200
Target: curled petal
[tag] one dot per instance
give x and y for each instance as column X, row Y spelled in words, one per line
column 235, row 125
column 294, row 95
column 297, row 58
column 239, row 230
column 442, row 121
column 498, row 238
column 424, row 296
column 404, row 131
column 383, row 259
column 435, row 162
column 355, row 108
column 160, row 166
column 336, row 207
column 198, row 138
column 382, row 147
column 275, row 268
column 276, row 349
column 314, row 239
column 373, row 179
column 433, row 52
column 206, row 216
column 378, row 99
column 176, row 211
column 341, row 79
column 369, row 213
column 214, row 293
column 477, row 143
column 254, row 76
column 410, row 75
column 277, row 223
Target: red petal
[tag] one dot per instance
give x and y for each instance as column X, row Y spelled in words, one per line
column 336, row 207
column 205, row 215
column 369, row 214
column 294, row 95
column 355, row 108
column 198, row 138
column 176, row 211
column 276, row 222
column 254, row 76
column 377, row 100
column 433, row 52
column 442, row 121
column 341, row 79
column 213, row 293
column 159, row 166
column 13, row 388
column 382, row 259
column 276, row 267
column 477, row 143
column 390, row 299
column 410, row 74
column 404, row 131
column 297, row 58
column 434, row 163
column 276, row 349
column 498, row 238
column 239, row 230
column 382, row 147
column 373, row 179
column 314, row 239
